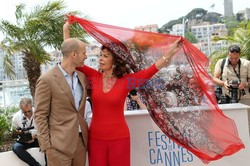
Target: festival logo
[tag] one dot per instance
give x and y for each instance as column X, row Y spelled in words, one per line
column 163, row 151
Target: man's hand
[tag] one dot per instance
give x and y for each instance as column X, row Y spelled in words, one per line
column 226, row 85
column 136, row 97
column 242, row 85
column 19, row 132
column 29, row 142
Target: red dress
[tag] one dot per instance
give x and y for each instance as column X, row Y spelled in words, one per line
column 108, row 121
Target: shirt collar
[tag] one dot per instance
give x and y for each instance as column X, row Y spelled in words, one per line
column 229, row 63
column 64, row 72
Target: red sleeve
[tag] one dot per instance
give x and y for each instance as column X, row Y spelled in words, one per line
column 140, row 78
column 88, row 71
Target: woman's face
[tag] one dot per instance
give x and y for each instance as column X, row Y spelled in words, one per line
column 106, row 60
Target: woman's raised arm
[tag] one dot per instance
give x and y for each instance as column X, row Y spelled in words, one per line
column 165, row 59
column 66, row 30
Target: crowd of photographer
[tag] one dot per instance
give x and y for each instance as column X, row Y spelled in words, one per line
column 26, row 133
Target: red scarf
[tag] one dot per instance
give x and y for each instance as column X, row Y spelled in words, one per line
column 182, row 102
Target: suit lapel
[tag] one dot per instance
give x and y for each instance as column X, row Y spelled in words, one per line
column 61, row 81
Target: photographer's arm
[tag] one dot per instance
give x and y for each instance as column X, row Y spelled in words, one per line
column 219, row 82
column 15, row 121
column 139, row 102
column 248, row 75
column 217, row 75
column 245, row 81
column 242, row 85
column 14, row 125
column 125, row 105
column 34, row 132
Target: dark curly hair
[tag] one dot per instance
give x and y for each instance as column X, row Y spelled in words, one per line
column 121, row 67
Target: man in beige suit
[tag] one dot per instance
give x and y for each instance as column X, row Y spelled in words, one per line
column 59, row 108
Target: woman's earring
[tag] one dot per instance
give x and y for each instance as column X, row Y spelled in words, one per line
column 113, row 66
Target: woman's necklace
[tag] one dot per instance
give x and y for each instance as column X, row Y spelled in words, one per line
column 108, row 76
column 108, row 82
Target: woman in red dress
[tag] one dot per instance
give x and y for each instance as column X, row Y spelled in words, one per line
column 109, row 138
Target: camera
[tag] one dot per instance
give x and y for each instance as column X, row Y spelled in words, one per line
column 221, row 99
column 133, row 92
column 233, row 89
column 218, row 92
column 24, row 135
column 25, row 129
column 234, row 95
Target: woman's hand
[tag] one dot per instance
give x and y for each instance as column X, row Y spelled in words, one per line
column 66, row 29
column 175, row 47
column 165, row 59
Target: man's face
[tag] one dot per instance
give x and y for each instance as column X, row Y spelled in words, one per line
column 234, row 58
column 27, row 110
column 80, row 55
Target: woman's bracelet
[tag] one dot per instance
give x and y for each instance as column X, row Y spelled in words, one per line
column 165, row 59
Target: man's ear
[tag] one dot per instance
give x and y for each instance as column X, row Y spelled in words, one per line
column 73, row 54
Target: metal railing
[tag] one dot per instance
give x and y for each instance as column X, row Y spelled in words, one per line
column 12, row 91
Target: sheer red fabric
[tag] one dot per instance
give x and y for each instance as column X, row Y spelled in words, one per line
column 180, row 97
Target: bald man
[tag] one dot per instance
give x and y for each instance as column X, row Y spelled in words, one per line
column 59, row 108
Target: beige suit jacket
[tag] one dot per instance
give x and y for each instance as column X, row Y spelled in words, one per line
column 56, row 117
